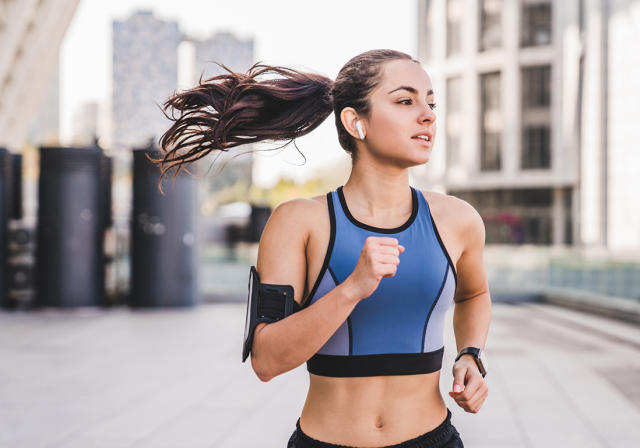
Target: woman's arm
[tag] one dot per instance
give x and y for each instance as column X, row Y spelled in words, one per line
column 283, row 345
column 472, row 310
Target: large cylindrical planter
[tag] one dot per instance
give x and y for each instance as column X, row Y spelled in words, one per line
column 163, row 236
column 6, row 206
column 106, row 173
column 16, row 194
column 69, row 250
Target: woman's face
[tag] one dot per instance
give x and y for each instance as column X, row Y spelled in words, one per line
column 401, row 108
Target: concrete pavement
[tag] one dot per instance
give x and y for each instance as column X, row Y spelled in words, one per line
column 173, row 378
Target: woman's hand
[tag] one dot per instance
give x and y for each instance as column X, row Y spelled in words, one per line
column 379, row 258
column 469, row 387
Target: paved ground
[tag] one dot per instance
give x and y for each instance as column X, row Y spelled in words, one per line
column 173, row 378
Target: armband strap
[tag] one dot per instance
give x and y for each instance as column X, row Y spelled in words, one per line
column 273, row 302
column 265, row 303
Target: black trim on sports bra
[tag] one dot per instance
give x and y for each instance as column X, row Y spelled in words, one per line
column 444, row 249
column 414, row 213
column 376, row 364
column 327, row 255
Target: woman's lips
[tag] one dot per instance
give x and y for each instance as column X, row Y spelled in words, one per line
column 422, row 141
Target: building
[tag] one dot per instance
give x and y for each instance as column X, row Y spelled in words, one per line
column 535, row 105
column 238, row 55
column 223, row 47
column 30, row 37
column 85, row 123
column 145, row 74
column 45, row 125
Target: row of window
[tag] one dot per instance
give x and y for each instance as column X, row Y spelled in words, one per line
column 535, row 24
column 520, row 216
column 535, row 114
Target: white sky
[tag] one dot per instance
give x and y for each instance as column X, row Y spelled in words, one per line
column 315, row 36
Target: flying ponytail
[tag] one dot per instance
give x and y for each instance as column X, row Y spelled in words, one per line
column 234, row 109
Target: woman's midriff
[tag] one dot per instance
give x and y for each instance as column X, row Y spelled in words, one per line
column 372, row 411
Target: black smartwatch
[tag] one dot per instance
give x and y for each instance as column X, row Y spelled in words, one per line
column 478, row 356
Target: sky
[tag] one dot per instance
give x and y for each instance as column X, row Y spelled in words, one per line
column 319, row 37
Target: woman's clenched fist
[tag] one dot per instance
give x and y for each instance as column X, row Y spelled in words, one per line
column 379, row 258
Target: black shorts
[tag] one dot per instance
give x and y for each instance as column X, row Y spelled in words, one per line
column 444, row 435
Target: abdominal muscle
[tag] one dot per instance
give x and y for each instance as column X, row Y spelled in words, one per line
column 372, row 411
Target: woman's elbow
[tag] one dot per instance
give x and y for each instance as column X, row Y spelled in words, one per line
column 258, row 362
column 260, row 370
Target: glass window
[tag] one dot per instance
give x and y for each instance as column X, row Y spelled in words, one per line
column 453, row 150
column 536, row 147
column 454, row 27
column 428, row 32
column 521, row 216
column 454, row 94
column 536, row 24
column 490, row 127
column 490, row 25
column 490, row 90
column 490, row 151
column 536, row 86
column 453, row 120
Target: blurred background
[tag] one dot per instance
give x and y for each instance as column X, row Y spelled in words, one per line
column 536, row 105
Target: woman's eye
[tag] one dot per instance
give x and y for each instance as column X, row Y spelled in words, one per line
column 408, row 101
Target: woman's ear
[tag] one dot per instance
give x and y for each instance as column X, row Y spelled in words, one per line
column 349, row 118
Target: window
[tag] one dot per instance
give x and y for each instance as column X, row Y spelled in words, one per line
column 535, row 147
column 490, row 25
column 490, row 151
column 427, row 42
column 514, row 216
column 536, row 86
column 490, row 90
column 453, row 150
column 454, row 27
column 453, row 120
column 454, row 95
column 536, row 117
column 536, row 23
column 490, row 122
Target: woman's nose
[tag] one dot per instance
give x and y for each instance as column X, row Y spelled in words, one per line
column 428, row 115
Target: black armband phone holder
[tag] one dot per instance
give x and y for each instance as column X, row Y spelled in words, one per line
column 265, row 303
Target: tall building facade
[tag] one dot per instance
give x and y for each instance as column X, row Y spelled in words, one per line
column 45, row 124
column 535, row 116
column 30, row 37
column 85, row 123
column 225, row 48
column 145, row 74
column 238, row 55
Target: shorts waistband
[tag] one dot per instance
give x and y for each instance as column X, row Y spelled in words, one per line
column 430, row 439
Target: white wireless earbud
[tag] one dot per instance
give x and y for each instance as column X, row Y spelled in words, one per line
column 360, row 131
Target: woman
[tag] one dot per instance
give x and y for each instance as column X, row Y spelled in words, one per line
column 373, row 274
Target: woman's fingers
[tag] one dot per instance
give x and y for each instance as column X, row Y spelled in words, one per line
column 473, row 401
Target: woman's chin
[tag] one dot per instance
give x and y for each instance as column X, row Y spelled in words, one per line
column 423, row 157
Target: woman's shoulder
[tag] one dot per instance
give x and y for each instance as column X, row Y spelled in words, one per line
column 303, row 206
column 452, row 209
column 303, row 210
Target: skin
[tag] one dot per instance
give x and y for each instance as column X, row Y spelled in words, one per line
column 382, row 410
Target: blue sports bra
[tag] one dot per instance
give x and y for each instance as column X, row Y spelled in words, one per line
column 397, row 330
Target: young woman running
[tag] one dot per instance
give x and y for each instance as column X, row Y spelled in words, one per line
column 372, row 272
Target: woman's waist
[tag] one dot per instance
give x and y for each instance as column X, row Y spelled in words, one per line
column 386, row 407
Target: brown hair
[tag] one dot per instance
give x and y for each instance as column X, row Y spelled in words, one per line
column 234, row 109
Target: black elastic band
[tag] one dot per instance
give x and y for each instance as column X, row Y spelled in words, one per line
column 375, row 365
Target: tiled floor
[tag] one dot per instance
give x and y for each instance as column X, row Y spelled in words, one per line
column 173, row 378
